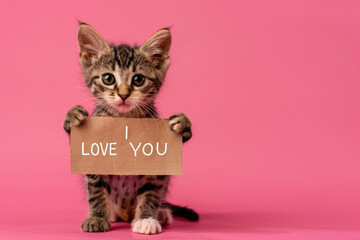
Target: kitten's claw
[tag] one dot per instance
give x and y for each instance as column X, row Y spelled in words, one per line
column 74, row 117
column 146, row 226
column 95, row 224
column 181, row 124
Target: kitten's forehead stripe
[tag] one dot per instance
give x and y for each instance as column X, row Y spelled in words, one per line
column 114, row 62
column 116, row 58
column 124, row 55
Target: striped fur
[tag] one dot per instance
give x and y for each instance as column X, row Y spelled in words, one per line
column 136, row 199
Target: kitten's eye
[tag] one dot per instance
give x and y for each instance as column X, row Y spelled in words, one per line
column 108, row 79
column 138, row 80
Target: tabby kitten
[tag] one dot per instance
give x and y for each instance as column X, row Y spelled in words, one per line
column 125, row 81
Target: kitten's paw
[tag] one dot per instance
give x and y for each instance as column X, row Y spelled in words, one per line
column 74, row 117
column 181, row 124
column 95, row 224
column 164, row 216
column 146, row 226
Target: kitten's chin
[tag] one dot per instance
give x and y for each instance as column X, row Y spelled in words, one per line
column 124, row 107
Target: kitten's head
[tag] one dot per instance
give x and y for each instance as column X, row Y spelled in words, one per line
column 124, row 77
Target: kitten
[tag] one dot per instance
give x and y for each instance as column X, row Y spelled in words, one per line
column 125, row 81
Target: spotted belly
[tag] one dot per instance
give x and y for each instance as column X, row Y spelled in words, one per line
column 122, row 197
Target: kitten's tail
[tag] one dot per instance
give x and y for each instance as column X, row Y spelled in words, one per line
column 184, row 212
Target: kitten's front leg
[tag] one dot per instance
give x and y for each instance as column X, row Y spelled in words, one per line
column 181, row 124
column 148, row 203
column 74, row 117
column 98, row 190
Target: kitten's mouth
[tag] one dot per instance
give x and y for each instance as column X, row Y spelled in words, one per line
column 123, row 106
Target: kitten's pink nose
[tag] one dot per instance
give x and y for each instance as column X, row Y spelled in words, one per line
column 124, row 96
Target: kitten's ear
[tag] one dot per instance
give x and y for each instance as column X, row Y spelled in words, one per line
column 91, row 44
column 157, row 47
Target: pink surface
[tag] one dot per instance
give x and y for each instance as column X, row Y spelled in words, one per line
column 272, row 88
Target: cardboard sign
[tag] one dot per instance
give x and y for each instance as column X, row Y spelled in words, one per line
column 125, row 146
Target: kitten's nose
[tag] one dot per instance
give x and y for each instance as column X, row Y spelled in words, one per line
column 124, row 96
column 123, row 91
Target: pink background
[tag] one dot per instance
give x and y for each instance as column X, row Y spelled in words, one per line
column 272, row 88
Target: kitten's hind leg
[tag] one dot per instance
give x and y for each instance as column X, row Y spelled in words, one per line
column 164, row 216
column 98, row 196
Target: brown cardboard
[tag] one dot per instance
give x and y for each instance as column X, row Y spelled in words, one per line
column 106, row 130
